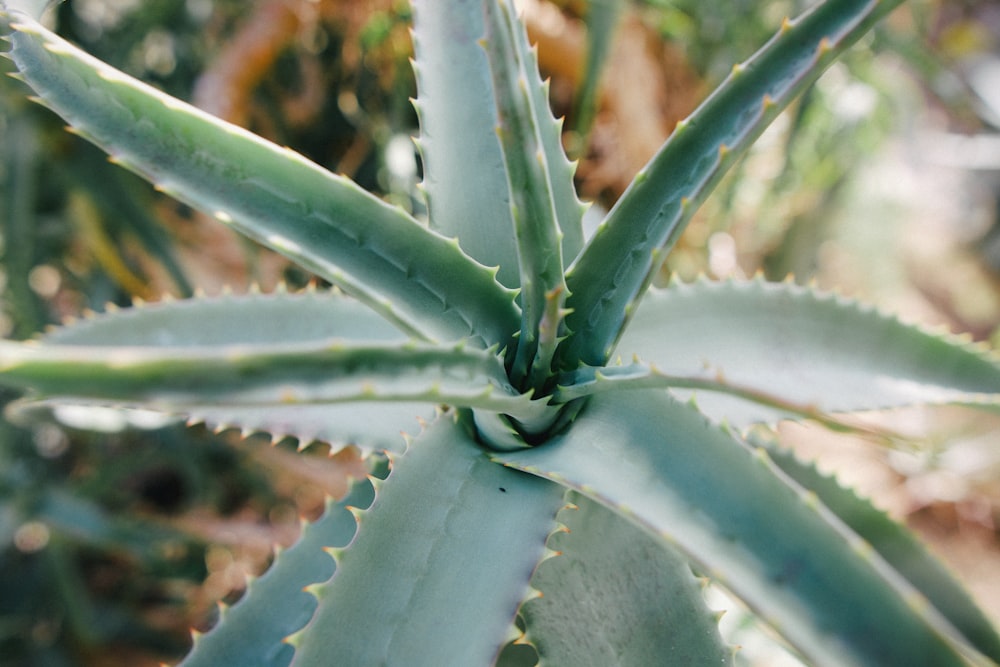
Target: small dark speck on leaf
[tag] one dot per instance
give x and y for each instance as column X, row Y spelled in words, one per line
column 502, row 490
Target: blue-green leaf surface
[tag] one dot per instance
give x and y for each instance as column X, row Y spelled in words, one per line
column 304, row 373
column 464, row 178
column 326, row 223
column 613, row 595
column 795, row 351
column 370, row 426
column 251, row 319
column 745, row 524
column 897, row 545
column 309, row 365
column 434, row 582
column 252, row 633
column 543, row 288
column 33, row 8
column 620, row 260
column 231, row 319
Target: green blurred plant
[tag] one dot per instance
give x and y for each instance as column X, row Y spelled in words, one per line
column 83, row 566
column 543, row 463
column 78, row 233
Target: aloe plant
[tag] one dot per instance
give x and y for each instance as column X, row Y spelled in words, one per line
column 551, row 482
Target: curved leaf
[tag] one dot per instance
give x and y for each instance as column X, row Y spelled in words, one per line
column 252, row 633
column 613, row 595
column 898, row 546
column 230, row 319
column 619, row 261
column 745, row 524
column 796, row 352
column 436, row 582
column 326, row 223
column 369, row 426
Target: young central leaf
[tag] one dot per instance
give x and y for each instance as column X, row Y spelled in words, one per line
column 524, row 119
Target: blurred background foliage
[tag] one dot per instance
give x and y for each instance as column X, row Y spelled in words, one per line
column 882, row 183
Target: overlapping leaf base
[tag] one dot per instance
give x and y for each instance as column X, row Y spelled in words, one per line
column 537, row 494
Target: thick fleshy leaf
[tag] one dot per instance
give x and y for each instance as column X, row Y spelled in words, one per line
column 252, row 319
column 216, row 360
column 561, row 171
column 252, row 633
column 619, row 261
column 33, row 8
column 435, row 582
column 231, row 319
column 326, row 223
column 543, row 288
column 613, row 595
column 464, row 178
column 793, row 351
column 747, row 525
column 369, row 426
column 897, row 545
column 253, row 348
column 262, row 375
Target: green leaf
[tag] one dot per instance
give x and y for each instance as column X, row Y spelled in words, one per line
column 521, row 107
column 898, row 546
column 436, row 582
column 620, row 260
column 122, row 198
column 252, row 633
column 228, row 319
column 253, row 319
column 745, row 524
column 310, row 365
column 370, row 426
column 20, row 182
column 464, row 180
column 327, row 224
column 793, row 351
column 177, row 379
column 253, row 350
column 602, row 19
column 86, row 522
column 605, row 591
column 33, row 8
